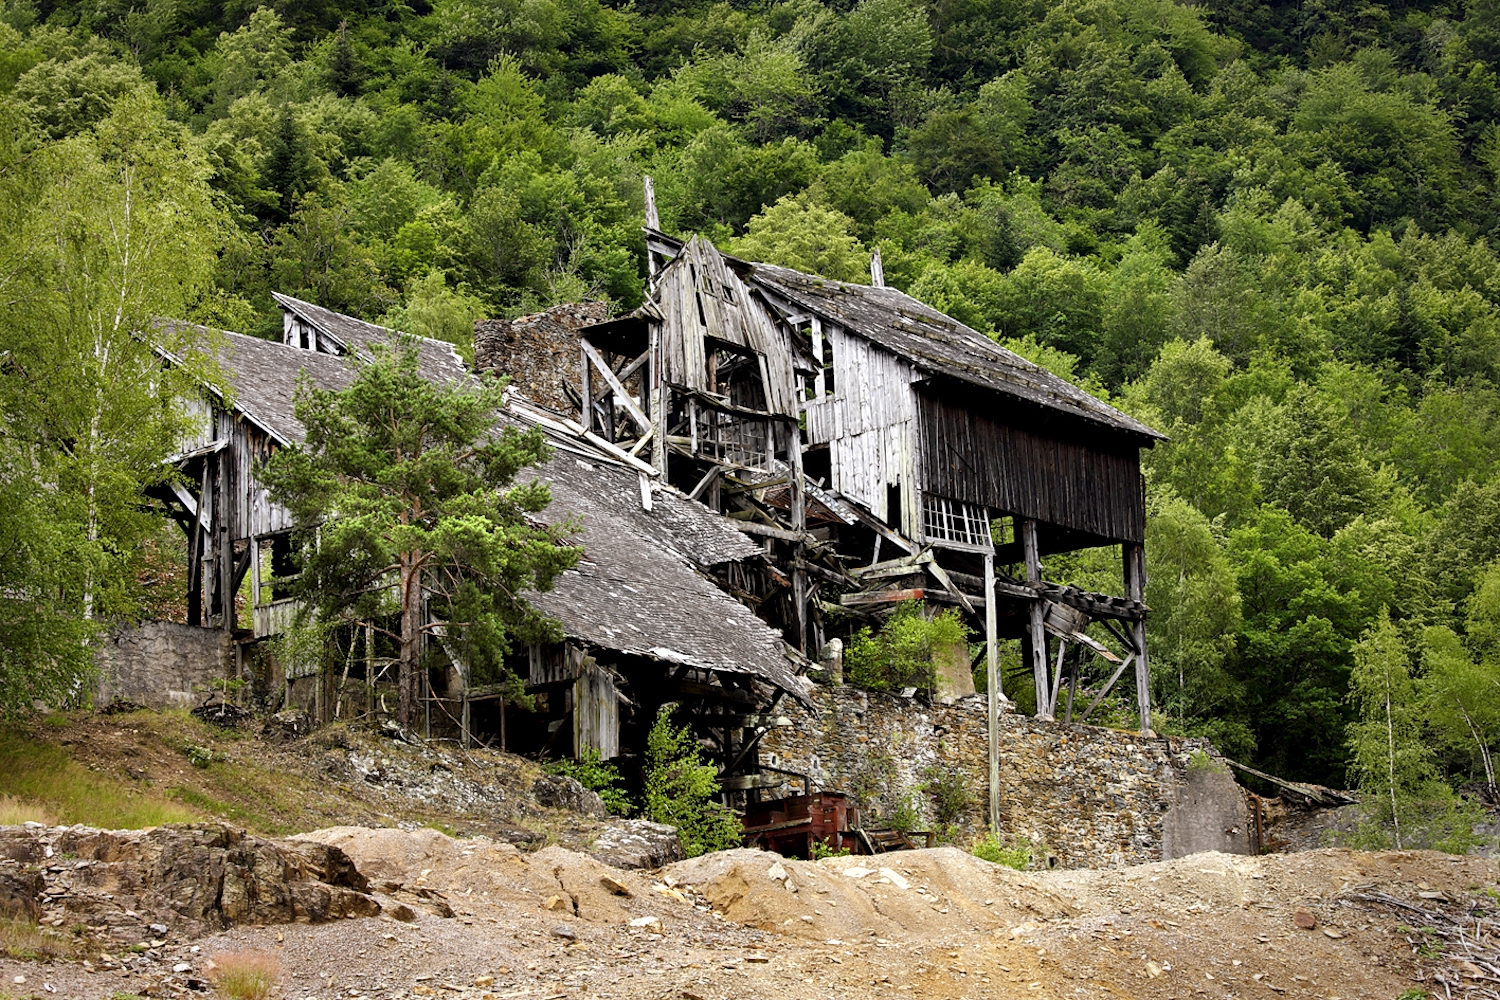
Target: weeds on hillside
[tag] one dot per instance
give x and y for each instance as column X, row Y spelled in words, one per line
column 246, row 975
column 24, row 939
column 15, row 811
column 42, row 776
column 991, row 848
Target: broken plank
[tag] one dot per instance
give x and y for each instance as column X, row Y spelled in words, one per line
column 751, row 528
column 882, row 597
column 614, row 383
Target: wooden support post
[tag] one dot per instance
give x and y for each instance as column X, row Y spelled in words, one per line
column 992, row 686
column 1072, row 688
column 659, row 409
column 820, row 381
column 195, row 561
column 877, row 272
column 799, row 525
column 1135, row 589
column 1036, row 632
column 586, row 417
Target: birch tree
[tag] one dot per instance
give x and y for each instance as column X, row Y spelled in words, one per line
column 1390, row 761
column 103, row 234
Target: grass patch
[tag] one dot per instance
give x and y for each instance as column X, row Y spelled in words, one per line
column 22, row 939
column 14, row 812
column 246, row 975
column 40, row 776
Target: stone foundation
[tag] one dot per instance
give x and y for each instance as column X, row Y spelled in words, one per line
column 163, row 664
column 539, row 352
column 1089, row 797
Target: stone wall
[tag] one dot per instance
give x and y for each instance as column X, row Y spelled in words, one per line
column 163, row 664
column 1088, row 796
column 539, row 352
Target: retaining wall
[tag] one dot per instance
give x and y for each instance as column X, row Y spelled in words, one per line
column 163, row 664
column 1091, row 797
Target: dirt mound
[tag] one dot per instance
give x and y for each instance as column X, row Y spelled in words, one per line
column 434, row 867
column 934, row 894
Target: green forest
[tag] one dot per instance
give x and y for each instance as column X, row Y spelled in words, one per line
column 1268, row 229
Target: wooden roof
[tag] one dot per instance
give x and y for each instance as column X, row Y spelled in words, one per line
column 938, row 344
column 640, row 589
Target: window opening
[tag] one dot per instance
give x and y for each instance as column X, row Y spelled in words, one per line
column 945, row 520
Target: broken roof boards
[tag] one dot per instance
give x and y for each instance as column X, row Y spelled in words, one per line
column 640, row 592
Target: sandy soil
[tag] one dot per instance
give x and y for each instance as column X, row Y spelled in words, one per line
column 937, row 923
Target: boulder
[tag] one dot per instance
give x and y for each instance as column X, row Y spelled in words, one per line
column 289, row 725
column 558, row 791
column 636, row 843
column 18, row 895
column 191, row 878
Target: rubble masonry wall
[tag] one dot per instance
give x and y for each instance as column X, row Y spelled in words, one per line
column 163, row 664
column 1092, row 797
column 539, row 352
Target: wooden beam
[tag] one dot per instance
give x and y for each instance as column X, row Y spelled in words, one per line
column 1037, row 633
column 1100, row 696
column 704, row 483
column 614, row 383
column 1135, row 589
column 882, row 597
column 882, row 530
column 745, row 782
column 712, row 692
column 767, row 531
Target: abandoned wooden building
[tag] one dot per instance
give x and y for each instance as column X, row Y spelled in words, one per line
column 645, row 623
column 886, row 451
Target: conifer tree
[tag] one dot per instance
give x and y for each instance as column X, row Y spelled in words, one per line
column 412, row 521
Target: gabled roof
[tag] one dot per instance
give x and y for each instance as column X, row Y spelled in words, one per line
column 638, row 590
column 641, row 588
column 436, row 358
column 938, row 344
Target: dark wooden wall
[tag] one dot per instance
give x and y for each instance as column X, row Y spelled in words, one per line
column 987, row 449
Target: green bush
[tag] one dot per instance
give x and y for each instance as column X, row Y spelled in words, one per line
column 597, row 775
column 991, row 848
column 900, row 654
column 681, row 790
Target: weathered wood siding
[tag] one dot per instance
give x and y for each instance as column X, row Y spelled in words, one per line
column 869, row 423
column 701, row 297
column 596, row 712
column 1000, row 454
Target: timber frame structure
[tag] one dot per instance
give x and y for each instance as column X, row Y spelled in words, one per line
column 880, row 451
column 644, row 620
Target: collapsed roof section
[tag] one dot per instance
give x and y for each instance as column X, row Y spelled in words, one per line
column 641, row 589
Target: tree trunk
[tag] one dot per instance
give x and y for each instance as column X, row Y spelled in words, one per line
column 1390, row 735
column 410, row 661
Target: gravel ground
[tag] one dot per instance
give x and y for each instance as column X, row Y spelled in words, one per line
column 930, row 923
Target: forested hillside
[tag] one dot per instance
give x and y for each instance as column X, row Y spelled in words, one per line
column 1266, row 228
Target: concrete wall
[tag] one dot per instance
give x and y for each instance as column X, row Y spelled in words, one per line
column 1092, row 797
column 163, row 665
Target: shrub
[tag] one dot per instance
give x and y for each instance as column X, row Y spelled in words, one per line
column 597, row 775
column 900, row 654
column 821, row 850
column 991, row 848
column 246, row 975
column 681, row 790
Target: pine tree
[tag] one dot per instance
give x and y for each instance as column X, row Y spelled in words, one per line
column 411, row 519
